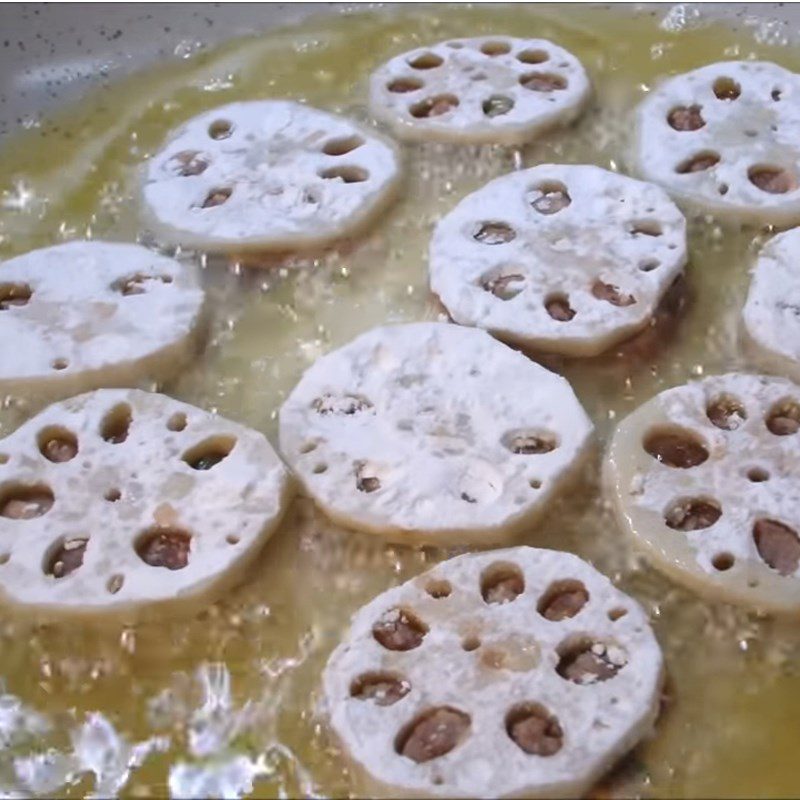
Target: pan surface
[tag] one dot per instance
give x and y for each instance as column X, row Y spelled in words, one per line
column 225, row 703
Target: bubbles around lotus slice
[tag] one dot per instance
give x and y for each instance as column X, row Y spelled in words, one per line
column 123, row 502
column 429, row 432
column 487, row 89
column 704, row 477
column 268, row 175
column 559, row 258
column 518, row 672
column 88, row 314
column 724, row 140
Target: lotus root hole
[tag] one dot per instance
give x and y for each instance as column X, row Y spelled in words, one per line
column 757, row 475
column 366, row 481
column 114, row 583
column 138, row 283
column 380, row 688
column 232, row 539
column 399, row 629
column 563, row 600
column 319, row 469
column 65, row 556
column 558, row 308
column 497, row 105
column 617, row 613
column 113, row 495
column 13, row 295
column 25, row 502
column 722, row 562
column 4, row 558
column 116, row 424
column 495, row 48
column 189, row 163
column 162, row 546
column 675, row 447
column 404, row 85
column 217, row 197
column 699, row 162
column 426, row 60
column 611, row 294
column 220, row 129
column 432, row 734
column 645, row 227
column 57, row 444
column 59, row 364
column 778, row 545
column 585, row 661
column 726, row 412
column 439, row 589
column 549, row 197
column 506, row 284
column 347, row 404
column 726, row 89
column 502, row 582
column 534, row 729
column 535, row 483
column 527, row 443
column 773, row 180
column 493, row 233
column 307, row 447
column 177, row 422
column 686, row 118
column 533, row 56
column 435, row 106
column 209, row 452
column 347, row 174
column 693, row 514
column 776, row 95
column 783, row 418
column 649, row 264
column 543, row 82
column 342, row 145
column 470, row 643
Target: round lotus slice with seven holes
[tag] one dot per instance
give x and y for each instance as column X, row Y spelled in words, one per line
column 564, row 259
column 724, row 139
column 705, row 478
column 518, row 672
column 268, row 175
column 771, row 313
column 481, row 90
column 89, row 314
column 119, row 500
column 430, row 432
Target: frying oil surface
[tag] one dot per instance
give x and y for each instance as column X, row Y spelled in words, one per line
column 227, row 699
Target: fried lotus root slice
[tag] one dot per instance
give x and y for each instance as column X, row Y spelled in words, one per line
column 152, row 506
column 572, row 259
column 268, row 175
column 88, row 314
column 771, row 314
column 704, row 478
column 430, row 432
column 497, row 89
column 555, row 698
column 723, row 139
